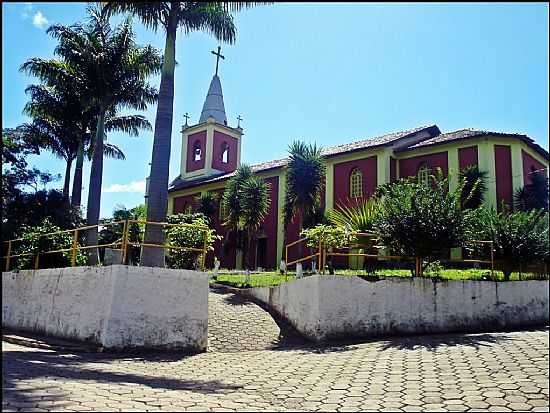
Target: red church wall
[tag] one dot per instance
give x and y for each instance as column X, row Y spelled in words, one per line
column 342, row 173
column 269, row 228
column 467, row 156
column 219, row 139
column 182, row 202
column 503, row 172
column 409, row 166
column 393, row 169
column 191, row 164
column 529, row 164
column 291, row 236
column 226, row 256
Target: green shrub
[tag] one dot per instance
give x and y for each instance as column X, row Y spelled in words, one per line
column 189, row 237
column 421, row 221
column 34, row 241
column 519, row 238
column 332, row 236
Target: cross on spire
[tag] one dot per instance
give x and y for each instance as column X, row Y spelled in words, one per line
column 239, row 121
column 186, row 116
column 218, row 55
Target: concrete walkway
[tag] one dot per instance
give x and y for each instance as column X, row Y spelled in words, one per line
column 455, row 372
column 236, row 323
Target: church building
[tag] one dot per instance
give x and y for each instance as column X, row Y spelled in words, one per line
column 211, row 151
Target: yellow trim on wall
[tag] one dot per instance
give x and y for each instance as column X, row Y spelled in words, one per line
column 453, row 166
column 486, row 162
column 280, row 221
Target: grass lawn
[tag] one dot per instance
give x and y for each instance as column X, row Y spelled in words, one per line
column 268, row 279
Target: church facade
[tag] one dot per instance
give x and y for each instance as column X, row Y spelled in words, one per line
column 211, row 151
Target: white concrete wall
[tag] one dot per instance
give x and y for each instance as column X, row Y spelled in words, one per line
column 115, row 306
column 323, row 307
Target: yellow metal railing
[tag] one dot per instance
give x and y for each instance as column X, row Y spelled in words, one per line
column 123, row 242
column 323, row 253
column 318, row 254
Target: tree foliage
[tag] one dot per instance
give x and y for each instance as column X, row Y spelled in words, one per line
column 23, row 188
column 519, row 238
column 245, row 205
column 474, row 186
column 305, row 173
column 34, row 241
column 206, row 204
column 422, row 221
column 189, row 237
column 533, row 195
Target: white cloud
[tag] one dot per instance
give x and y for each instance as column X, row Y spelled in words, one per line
column 134, row 186
column 26, row 10
column 39, row 20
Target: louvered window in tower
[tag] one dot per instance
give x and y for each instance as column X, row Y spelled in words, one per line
column 197, row 151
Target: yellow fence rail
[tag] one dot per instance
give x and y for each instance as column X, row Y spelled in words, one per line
column 323, row 253
column 123, row 243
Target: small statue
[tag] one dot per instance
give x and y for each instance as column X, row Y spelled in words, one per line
column 216, row 267
column 282, row 266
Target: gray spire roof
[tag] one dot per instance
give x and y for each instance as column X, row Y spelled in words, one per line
column 213, row 104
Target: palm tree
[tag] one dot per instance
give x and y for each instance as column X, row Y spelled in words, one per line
column 245, row 204
column 305, row 172
column 475, row 186
column 255, row 207
column 231, row 204
column 55, row 117
column 533, row 195
column 214, row 18
column 111, row 71
column 206, row 202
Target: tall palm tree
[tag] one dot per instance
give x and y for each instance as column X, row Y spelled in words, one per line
column 111, row 70
column 474, row 187
column 55, row 118
column 305, row 172
column 255, row 207
column 213, row 18
column 206, row 204
column 245, row 204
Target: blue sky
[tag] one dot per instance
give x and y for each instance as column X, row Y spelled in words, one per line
column 329, row 73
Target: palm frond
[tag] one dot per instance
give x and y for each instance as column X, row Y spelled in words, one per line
column 113, row 151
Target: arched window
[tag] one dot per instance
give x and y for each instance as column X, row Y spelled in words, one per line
column 197, row 151
column 225, row 152
column 356, row 184
column 423, row 174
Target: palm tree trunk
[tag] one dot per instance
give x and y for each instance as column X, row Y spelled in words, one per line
column 94, row 192
column 76, row 197
column 157, row 197
column 67, row 181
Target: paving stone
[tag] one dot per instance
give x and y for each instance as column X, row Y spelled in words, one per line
column 332, row 377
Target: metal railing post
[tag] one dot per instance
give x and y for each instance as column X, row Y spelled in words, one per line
column 492, row 261
column 74, row 248
column 125, row 242
column 8, row 256
column 320, row 260
column 36, row 260
column 204, row 247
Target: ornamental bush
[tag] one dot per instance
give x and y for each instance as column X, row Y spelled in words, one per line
column 190, row 237
column 519, row 238
column 421, row 221
column 35, row 241
column 332, row 236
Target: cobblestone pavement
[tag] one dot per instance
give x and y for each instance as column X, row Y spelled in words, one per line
column 235, row 323
column 492, row 371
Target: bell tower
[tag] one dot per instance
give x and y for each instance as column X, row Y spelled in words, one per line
column 210, row 147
